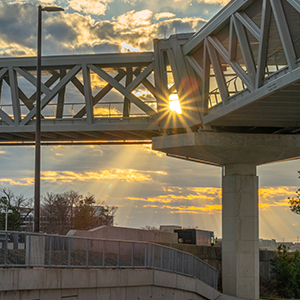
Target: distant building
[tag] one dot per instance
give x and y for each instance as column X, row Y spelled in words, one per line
column 270, row 245
column 195, row 237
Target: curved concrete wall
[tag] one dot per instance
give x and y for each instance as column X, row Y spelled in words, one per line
column 109, row 284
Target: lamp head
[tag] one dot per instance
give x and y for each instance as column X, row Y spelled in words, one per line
column 52, row 8
column 2, row 211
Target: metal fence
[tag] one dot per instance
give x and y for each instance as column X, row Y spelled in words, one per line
column 20, row 249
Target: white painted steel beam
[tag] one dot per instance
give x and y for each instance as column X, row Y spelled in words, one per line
column 284, row 33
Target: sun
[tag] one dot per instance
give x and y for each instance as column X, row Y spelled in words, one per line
column 174, row 103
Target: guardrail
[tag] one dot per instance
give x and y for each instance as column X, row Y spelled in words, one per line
column 20, row 249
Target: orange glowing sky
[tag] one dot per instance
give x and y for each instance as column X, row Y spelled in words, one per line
column 150, row 188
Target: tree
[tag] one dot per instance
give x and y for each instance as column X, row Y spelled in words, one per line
column 13, row 219
column 88, row 215
column 21, row 208
column 295, row 202
column 149, row 227
column 56, row 213
column 70, row 210
column 286, row 272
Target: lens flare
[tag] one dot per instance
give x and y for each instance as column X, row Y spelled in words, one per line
column 174, row 103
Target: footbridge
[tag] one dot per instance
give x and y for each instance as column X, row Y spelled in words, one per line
column 227, row 95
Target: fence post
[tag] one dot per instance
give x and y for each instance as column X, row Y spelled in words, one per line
column 118, row 259
column 5, row 248
column 103, row 253
column 69, row 252
column 132, row 249
column 87, row 253
column 50, row 250
column 35, row 250
column 161, row 258
column 152, row 245
column 146, row 255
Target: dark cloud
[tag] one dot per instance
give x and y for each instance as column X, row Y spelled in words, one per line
column 106, row 48
column 18, row 23
column 61, row 31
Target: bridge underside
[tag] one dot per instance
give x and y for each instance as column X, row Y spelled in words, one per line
column 111, row 130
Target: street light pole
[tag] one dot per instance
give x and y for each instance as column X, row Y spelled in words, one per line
column 37, row 177
column 6, row 212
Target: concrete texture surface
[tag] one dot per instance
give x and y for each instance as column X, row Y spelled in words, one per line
column 109, row 284
column 230, row 148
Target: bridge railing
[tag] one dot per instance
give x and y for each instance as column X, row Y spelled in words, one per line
column 20, row 249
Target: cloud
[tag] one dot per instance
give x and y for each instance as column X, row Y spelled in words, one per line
column 75, row 33
column 220, row 2
column 94, row 7
column 129, row 48
column 164, row 15
column 188, row 199
column 133, row 19
column 61, row 177
column 275, row 196
column 20, row 182
column 198, row 200
column 217, row 208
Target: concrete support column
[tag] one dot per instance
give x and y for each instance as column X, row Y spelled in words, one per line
column 240, row 248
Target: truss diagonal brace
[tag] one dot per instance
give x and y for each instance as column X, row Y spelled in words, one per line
column 6, row 118
column 32, row 79
column 140, row 77
column 249, row 24
column 100, row 95
column 246, row 50
column 295, row 4
column 126, row 92
column 194, row 64
column 218, row 72
column 52, row 94
column 284, row 33
column 234, row 65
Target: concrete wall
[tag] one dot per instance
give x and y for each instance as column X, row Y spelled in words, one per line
column 107, row 284
column 122, row 233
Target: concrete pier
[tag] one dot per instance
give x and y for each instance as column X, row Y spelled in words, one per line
column 240, row 240
column 239, row 154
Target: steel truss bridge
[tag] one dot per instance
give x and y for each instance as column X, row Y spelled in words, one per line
column 239, row 73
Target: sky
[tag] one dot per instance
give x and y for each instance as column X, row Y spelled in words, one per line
column 148, row 187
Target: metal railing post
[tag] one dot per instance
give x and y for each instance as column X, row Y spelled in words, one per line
column 103, row 253
column 118, row 258
column 132, row 249
column 5, row 248
column 69, row 252
column 146, row 255
column 161, row 258
column 29, row 250
column 152, row 256
column 87, row 253
column 50, row 250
